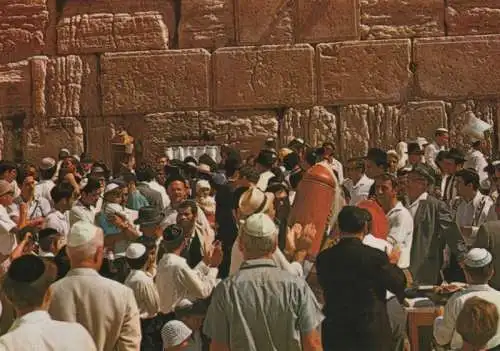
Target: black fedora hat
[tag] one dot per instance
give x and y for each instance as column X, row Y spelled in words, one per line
column 455, row 154
column 414, row 148
column 173, row 235
column 149, row 216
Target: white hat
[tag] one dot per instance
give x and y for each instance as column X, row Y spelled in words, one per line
column 203, row 168
column 202, row 184
column 47, row 163
column 442, row 130
column 259, row 225
column 495, row 163
column 475, row 127
column 76, row 157
column 477, row 258
column 254, row 200
column 135, row 250
column 81, row 233
column 174, row 333
column 110, row 187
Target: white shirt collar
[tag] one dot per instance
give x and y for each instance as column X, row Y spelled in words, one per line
column 32, row 317
column 42, row 253
column 398, row 206
column 364, row 179
column 422, row 197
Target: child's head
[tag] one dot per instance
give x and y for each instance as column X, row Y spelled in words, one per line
column 191, row 314
column 477, row 322
column 175, row 336
column 203, row 188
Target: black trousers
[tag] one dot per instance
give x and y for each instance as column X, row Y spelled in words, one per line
column 151, row 331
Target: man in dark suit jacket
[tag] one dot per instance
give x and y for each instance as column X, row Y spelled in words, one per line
column 433, row 229
column 488, row 237
column 145, row 174
column 355, row 279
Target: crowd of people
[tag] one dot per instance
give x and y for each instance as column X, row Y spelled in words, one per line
column 196, row 254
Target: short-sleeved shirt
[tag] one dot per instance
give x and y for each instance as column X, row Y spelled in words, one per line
column 262, row 308
column 58, row 221
column 7, row 239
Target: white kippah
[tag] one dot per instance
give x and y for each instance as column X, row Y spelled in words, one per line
column 259, row 225
column 135, row 250
column 174, row 333
column 81, row 233
column 477, row 258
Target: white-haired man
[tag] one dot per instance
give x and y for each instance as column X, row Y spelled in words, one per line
column 262, row 307
column 107, row 309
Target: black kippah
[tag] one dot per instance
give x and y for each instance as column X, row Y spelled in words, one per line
column 26, row 269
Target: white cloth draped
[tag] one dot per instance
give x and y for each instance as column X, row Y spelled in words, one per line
column 181, row 152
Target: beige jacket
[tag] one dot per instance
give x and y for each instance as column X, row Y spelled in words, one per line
column 107, row 309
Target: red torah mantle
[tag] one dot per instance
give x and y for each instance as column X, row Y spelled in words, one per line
column 314, row 202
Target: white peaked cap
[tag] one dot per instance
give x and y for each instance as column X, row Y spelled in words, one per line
column 477, row 258
column 135, row 250
column 174, row 333
column 81, row 233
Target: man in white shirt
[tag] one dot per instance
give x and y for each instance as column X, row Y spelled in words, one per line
column 106, row 308
column 47, row 169
column 176, row 281
column 357, row 183
column 400, row 220
column 8, row 228
column 84, row 209
column 139, row 259
column 440, row 143
column 476, row 160
column 153, row 184
column 27, row 286
column 264, row 162
column 37, row 208
column 63, row 197
column 478, row 271
column 474, row 208
column 8, row 172
column 328, row 151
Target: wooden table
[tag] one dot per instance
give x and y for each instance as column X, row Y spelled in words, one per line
column 420, row 327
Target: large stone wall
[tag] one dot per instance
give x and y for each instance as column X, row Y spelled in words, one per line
column 358, row 72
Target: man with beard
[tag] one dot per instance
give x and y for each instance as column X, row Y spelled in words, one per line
column 198, row 239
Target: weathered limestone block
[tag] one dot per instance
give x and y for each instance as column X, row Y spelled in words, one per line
column 421, row 119
column 354, row 131
column 386, row 19
column 368, row 71
column 102, row 32
column 39, row 74
column 101, row 130
column 15, row 88
column 457, row 67
column 246, row 131
column 71, row 86
column 263, row 77
column 46, row 139
column 314, row 125
column 384, row 124
column 161, row 130
column 206, row 24
column 327, row 20
column 156, row 81
column 458, row 112
column 265, row 21
column 466, row 17
column 24, row 26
